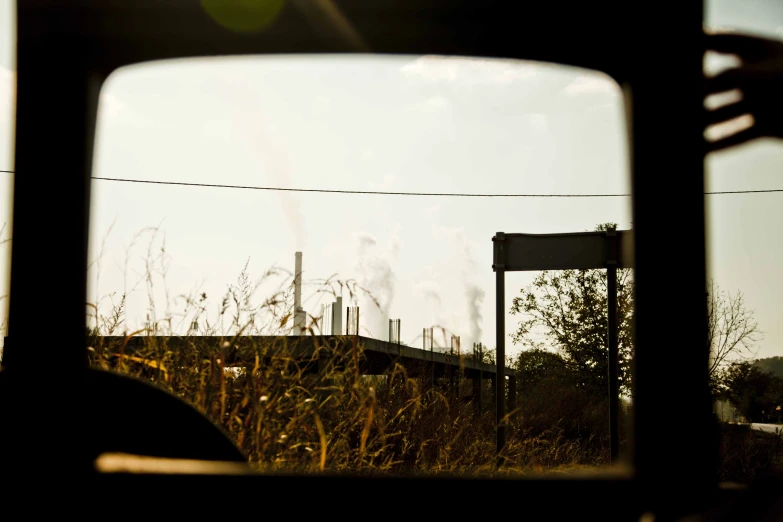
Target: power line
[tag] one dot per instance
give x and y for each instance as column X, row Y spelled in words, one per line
column 389, row 193
column 363, row 192
column 764, row 191
column 386, row 193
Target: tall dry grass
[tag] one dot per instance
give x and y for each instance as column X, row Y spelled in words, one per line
column 285, row 415
column 319, row 413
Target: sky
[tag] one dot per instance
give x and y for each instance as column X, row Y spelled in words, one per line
column 372, row 123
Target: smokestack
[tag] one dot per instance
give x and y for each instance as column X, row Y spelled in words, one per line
column 352, row 320
column 337, row 318
column 394, row 331
column 297, row 281
column 299, row 314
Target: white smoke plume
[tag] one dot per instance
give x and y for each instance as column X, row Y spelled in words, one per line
column 249, row 115
column 430, row 291
column 474, row 294
column 376, row 276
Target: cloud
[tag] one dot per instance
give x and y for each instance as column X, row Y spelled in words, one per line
column 473, row 71
column 589, row 84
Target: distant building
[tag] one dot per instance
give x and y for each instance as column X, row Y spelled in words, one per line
column 726, row 412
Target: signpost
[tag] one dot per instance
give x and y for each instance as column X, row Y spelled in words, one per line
column 611, row 250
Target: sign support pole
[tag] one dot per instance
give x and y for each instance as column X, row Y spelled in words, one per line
column 500, row 342
column 614, row 357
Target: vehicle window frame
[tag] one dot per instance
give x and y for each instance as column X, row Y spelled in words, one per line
column 612, row 39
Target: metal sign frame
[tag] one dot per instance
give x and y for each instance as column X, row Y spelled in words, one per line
column 610, row 249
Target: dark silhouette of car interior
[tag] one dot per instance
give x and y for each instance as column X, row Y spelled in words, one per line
column 66, row 49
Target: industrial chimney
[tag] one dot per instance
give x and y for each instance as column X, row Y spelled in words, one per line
column 337, row 319
column 332, row 317
column 299, row 313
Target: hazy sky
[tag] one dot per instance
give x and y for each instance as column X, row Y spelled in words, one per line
column 403, row 123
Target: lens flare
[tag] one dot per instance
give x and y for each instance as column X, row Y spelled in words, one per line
column 243, row 16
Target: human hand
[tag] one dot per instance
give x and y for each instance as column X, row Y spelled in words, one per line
column 759, row 79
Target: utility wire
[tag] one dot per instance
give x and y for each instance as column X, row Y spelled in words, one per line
column 362, row 192
column 388, row 193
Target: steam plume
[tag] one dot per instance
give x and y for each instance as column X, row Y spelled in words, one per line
column 377, row 277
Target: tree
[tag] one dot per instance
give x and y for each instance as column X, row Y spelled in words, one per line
column 535, row 367
column 567, row 310
column 550, row 400
column 773, row 365
column 755, row 394
column 732, row 330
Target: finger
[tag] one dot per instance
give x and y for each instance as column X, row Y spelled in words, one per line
column 743, row 45
column 734, row 140
column 727, row 112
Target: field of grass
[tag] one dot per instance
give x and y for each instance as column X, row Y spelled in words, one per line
column 286, row 417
